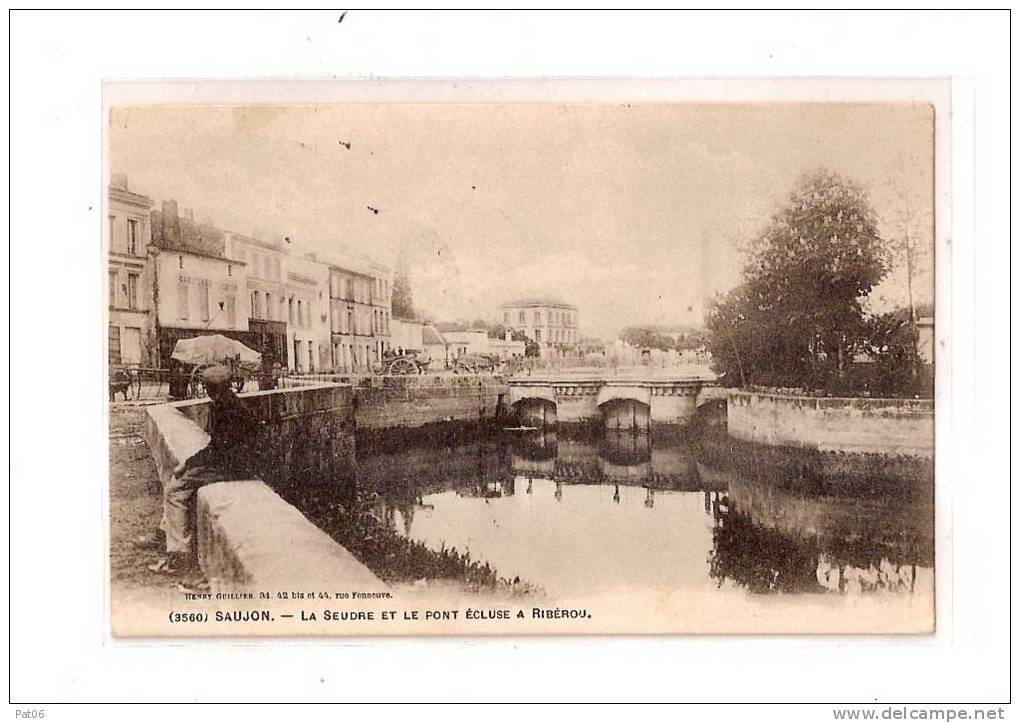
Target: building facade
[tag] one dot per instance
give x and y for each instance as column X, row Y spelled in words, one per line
column 287, row 295
column 360, row 316
column 477, row 341
column 129, row 295
column 172, row 278
column 436, row 347
column 551, row 323
column 926, row 339
column 407, row 334
column 196, row 289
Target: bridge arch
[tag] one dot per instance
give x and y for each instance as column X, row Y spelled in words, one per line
column 625, row 407
column 522, row 392
column 534, row 405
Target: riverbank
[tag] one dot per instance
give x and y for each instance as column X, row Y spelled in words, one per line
column 803, row 468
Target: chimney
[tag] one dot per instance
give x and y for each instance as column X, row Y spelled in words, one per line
column 119, row 181
column 171, row 225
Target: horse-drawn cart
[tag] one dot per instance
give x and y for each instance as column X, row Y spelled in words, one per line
column 477, row 363
column 411, row 361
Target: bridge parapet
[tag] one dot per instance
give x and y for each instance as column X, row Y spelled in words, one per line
column 620, row 402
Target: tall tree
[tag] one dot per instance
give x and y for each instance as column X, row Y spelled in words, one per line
column 909, row 232
column 796, row 319
column 402, row 301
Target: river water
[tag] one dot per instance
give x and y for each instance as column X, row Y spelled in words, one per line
column 585, row 516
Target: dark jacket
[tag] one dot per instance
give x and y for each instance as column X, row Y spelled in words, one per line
column 234, row 437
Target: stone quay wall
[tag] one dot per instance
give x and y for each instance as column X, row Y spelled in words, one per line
column 402, row 402
column 306, row 431
column 243, row 525
column 868, row 426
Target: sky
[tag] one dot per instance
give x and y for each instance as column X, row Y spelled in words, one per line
column 632, row 212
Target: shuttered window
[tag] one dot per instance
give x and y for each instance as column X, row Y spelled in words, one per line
column 114, row 345
column 182, row 302
column 132, row 291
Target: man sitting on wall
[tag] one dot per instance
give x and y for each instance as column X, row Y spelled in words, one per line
column 228, row 456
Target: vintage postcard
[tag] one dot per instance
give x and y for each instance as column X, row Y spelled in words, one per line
column 505, row 368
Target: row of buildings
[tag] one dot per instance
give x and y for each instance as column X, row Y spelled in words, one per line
column 173, row 278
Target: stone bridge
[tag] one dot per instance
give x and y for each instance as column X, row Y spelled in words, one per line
column 620, row 403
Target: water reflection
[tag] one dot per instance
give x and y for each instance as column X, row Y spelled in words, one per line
column 772, row 540
column 575, row 515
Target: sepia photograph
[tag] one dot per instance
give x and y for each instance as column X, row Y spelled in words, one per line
column 507, row 368
column 509, row 358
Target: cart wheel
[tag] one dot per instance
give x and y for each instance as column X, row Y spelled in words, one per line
column 403, row 366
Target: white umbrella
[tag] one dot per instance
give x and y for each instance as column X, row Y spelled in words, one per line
column 214, row 349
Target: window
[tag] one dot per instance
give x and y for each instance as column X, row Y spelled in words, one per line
column 203, row 301
column 132, row 291
column 300, row 313
column 269, row 305
column 132, row 237
column 114, row 345
column 521, row 318
column 230, row 270
column 538, row 335
column 182, row 301
column 290, row 310
column 113, row 289
column 231, row 307
column 538, row 317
